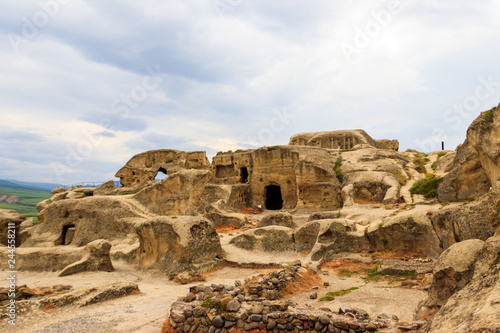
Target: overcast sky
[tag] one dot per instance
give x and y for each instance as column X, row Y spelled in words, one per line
column 85, row 85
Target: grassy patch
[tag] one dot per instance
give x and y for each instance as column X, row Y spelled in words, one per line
column 401, row 179
column 427, row 186
column 330, row 296
column 346, row 273
column 373, row 274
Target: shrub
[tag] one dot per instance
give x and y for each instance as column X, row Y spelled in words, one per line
column 338, row 163
column 427, row 186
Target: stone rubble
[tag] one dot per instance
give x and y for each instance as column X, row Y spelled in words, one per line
column 255, row 305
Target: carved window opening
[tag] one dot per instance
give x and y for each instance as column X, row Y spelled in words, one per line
column 161, row 174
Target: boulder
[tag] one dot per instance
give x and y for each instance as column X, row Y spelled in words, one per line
column 13, row 218
column 327, row 237
column 453, row 271
column 267, row 239
column 470, row 221
column 283, row 219
column 406, row 232
column 174, row 244
column 370, row 187
column 475, row 307
column 96, row 259
column 222, row 219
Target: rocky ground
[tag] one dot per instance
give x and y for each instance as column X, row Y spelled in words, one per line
column 146, row 312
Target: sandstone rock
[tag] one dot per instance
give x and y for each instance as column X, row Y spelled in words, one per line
column 484, row 136
column 96, row 259
column 343, row 139
column 283, row 219
column 268, row 239
column 388, row 144
column 281, row 177
column 107, row 188
column 11, row 217
column 54, row 259
column 58, row 190
column 467, row 179
column 92, row 217
column 444, row 164
column 178, row 194
column 407, row 231
column 142, row 169
column 471, row 221
column 334, row 236
column 475, row 308
column 453, row 271
column 221, row 219
column 175, row 244
column 91, row 295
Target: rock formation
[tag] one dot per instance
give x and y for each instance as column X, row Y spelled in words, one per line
column 323, row 194
column 12, row 218
column 143, row 168
column 96, row 259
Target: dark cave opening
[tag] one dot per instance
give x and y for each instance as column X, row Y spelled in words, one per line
column 274, row 201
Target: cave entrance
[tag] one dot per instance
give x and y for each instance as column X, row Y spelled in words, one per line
column 244, row 175
column 274, row 201
column 161, row 174
column 67, row 234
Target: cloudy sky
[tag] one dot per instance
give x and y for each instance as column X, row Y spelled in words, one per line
column 85, row 85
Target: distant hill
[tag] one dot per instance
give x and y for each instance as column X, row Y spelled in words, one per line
column 20, row 198
column 30, row 185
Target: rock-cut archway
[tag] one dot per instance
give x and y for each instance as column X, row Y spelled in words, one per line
column 274, row 200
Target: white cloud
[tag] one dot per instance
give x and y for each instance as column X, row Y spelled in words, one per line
column 223, row 77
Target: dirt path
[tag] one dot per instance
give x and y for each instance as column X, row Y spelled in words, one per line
column 147, row 311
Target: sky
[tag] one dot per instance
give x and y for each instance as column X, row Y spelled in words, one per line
column 86, row 85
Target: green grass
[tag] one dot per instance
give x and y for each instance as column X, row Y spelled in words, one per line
column 427, row 186
column 373, row 273
column 346, row 273
column 27, row 199
column 330, row 296
column 488, row 114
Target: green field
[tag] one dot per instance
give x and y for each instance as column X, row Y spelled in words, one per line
column 28, row 198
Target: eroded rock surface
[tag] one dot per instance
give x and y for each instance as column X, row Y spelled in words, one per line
column 176, row 243
column 96, row 259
